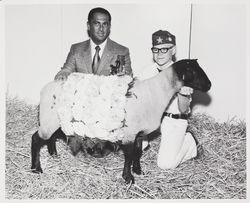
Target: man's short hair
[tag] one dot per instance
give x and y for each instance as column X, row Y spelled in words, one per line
column 98, row 10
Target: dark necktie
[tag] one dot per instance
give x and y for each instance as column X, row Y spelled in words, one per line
column 96, row 59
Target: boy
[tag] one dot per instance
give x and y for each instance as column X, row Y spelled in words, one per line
column 176, row 145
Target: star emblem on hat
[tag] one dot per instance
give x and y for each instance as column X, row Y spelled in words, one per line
column 159, row 40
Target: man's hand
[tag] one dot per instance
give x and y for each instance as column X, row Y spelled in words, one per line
column 62, row 75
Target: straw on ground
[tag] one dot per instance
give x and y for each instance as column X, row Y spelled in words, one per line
column 219, row 173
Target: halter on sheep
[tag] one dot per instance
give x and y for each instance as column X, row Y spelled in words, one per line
column 144, row 109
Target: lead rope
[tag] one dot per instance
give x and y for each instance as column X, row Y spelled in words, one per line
column 61, row 31
column 190, row 31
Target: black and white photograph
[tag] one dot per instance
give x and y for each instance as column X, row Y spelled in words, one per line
column 124, row 99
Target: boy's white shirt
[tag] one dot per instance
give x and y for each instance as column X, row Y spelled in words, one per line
column 151, row 71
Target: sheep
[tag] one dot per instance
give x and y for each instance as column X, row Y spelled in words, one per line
column 144, row 109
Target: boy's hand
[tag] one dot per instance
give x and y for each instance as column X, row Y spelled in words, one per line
column 186, row 90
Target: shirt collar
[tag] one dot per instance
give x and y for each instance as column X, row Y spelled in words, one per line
column 160, row 68
column 93, row 45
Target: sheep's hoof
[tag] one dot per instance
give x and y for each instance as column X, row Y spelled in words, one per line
column 37, row 170
column 52, row 153
column 128, row 178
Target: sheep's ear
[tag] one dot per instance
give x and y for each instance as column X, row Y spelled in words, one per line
column 88, row 26
column 188, row 76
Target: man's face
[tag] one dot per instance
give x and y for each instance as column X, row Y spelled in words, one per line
column 99, row 28
column 163, row 58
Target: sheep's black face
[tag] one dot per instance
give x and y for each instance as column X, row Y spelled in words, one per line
column 189, row 71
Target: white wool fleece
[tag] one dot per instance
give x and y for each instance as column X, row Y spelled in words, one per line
column 93, row 106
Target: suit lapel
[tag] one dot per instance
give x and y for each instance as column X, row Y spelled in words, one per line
column 106, row 57
column 87, row 57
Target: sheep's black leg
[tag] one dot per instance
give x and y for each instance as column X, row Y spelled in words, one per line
column 51, row 143
column 137, row 154
column 128, row 150
column 36, row 145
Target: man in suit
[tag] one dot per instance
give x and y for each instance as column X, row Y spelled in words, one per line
column 97, row 54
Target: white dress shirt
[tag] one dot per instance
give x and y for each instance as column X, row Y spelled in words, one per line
column 93, row 50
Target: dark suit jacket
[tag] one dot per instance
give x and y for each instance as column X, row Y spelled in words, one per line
column 79, row 58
